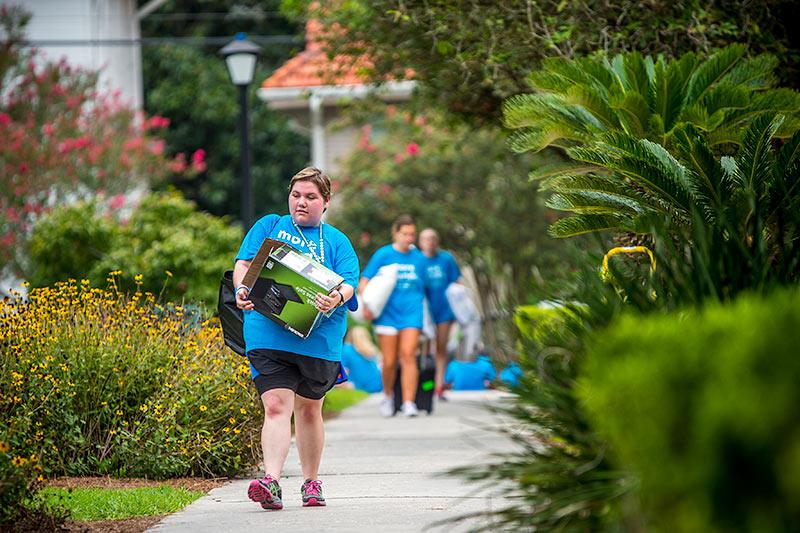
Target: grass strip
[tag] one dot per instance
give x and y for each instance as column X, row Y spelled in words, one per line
column 339, row 398
column 115, row 504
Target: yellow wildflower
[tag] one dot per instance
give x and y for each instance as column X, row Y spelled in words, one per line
column 18, row 461
column 203, row 407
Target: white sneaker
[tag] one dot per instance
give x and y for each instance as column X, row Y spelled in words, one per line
column 409, row 409
column 386, row 408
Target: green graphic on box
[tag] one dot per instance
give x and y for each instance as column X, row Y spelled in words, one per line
column 283, row 285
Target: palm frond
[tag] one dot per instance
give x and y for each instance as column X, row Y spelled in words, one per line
column 526, row 110
column 726, row 98
column 593, row 202
column 637, row 79
column 756, row 158
column 559, row 169
column 713, row 70
column 704, row 173
column 643, row 163
column 594, row 103
column 574, row 225
column 633, row 112
column 784, row 190
column 537, row 139
column 783, row 101
column 755, row 73
column 573, row 72
column 666, row 92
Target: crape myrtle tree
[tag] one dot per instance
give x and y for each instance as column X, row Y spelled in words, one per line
column 61, row 140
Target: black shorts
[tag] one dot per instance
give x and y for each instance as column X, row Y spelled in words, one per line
column 309, row 377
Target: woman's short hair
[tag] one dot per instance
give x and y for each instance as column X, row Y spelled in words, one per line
column 402, row 220
column 315, row 176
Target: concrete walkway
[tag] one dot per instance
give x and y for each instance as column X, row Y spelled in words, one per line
column 378, row 475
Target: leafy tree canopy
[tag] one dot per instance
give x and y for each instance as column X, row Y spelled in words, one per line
column 470, row 55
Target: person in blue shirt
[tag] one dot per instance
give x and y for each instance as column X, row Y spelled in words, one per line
column 399, row 324
column 293, row 374
column 359, row 359
column 471, row 375
column 441, row 270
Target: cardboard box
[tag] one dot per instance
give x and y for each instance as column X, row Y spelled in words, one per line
column 283, row 284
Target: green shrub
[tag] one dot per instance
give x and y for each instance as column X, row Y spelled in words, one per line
column 702, row 406
column 97, row 383
column 179, row 252
column 68, row 242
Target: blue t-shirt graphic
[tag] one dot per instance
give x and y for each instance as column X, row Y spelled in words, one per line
column 404, row 307
column 325, row 340
column 440, row 271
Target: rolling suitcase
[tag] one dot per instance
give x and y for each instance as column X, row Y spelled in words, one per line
column 427, row 375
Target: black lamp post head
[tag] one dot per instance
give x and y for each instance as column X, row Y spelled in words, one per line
column 240, row 55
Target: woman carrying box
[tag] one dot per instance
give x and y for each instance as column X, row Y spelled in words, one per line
column 293, row 374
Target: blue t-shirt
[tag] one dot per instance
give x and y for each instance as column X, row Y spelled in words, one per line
column 510, row 375
column 440, row 270
column 325, row 340
column 404, row 307
column 362, row 372
column 464, row 375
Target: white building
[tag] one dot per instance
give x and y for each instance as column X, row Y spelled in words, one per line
column 310, row 87
column 100, row 35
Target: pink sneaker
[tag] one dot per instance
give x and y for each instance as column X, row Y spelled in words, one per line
column 312, row 493
column 267, row 492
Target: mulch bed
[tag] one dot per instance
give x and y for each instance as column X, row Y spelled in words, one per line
column 136, row 524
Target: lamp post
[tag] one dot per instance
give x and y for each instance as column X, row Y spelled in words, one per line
column 240, row 56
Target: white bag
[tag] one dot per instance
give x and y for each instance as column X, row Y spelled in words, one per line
column 428, row 327
column 377, row 291
column 462, row 305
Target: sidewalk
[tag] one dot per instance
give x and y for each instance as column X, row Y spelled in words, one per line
column 378, row 475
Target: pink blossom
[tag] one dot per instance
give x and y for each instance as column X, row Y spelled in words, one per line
column 178, row 164
column 132, row 144
column 73, row 102
column 23, row 168
column 386, row 188
column 5, row 119
column 199, row 156
column 48, row 129
column 156, row 122
column 412, row 149
column 157, row 147
column 8, row 239
column 12, row 215
column 116, row 202
column 398, row 158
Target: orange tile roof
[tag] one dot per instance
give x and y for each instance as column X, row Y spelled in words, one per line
column 312, row 67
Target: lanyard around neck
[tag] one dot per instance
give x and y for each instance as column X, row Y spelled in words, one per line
column 311, row 245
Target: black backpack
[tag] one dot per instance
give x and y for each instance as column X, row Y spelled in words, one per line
column 230, row 316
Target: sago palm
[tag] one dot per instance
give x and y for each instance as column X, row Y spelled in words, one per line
column 575, row 100
column 735, row 220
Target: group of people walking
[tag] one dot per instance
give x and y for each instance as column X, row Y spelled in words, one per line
column 292, row 374
column 423, row 272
